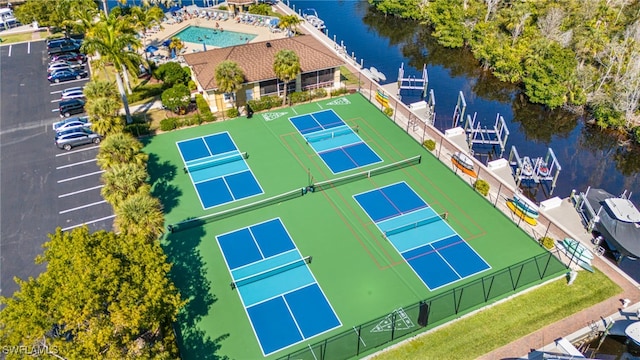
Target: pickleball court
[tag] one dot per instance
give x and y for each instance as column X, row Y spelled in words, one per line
column 435, row 252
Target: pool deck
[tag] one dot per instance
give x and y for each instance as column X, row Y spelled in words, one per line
column 262, row 33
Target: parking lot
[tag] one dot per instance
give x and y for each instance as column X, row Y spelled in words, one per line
column 41, row 186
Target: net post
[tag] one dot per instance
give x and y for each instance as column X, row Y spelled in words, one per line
column 310, row 258
column 233, row 285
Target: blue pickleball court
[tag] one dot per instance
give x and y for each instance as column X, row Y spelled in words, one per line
column 435, row 252
column 218, row 170
column 282, row 298
column 338, row 145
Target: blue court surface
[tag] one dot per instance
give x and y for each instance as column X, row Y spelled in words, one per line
column 435, row 252
column 218, row 169
column 282, row 298
column 338, row 145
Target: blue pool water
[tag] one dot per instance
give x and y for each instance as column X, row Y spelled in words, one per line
column 213, row 37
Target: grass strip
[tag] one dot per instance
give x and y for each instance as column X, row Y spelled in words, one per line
column 497, row 326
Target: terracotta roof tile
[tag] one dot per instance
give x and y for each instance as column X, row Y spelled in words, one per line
column 256, row 59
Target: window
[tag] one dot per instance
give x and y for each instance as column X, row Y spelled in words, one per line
column 317, row 79
column 228, row 97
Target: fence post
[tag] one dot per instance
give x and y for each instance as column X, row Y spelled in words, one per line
column 393, row 324
column 498, row 196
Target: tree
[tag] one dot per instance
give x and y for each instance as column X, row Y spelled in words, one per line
column 95, row 89
column 140, row 215
column 229, row 78
column 102, row 296
column 290, row 23
column 120, row 148
column 172, row 73
column 286, row 66
column 176, row 45
column 123, row 180
column 176, row 98
column 145, row 19
column 114, row 38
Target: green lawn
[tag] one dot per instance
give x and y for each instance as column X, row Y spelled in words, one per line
column 14, row 38
column 509, row 321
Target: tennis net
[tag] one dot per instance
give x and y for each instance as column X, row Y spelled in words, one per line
column 329, row 135
column 414, row 225
column 323, row 185
column 216, row 162
column 235, row 211
column 270, row 272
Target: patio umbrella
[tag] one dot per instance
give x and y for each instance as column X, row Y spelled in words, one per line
column 151, row 49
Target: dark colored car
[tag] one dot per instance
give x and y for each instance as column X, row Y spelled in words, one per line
column 63, row 49
column 70, row 57
column 80, row 136
column 70, row 107
column 66, row 75
column 62, row 42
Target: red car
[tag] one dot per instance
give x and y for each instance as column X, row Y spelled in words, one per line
column 71, row 57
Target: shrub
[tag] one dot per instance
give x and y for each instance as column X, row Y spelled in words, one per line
column 137, row 129
column 388, row 111
column 208, row 117
column 299, row 96
column 429, row 144
column 547, row 242
column 192, row 120
column 482, row 187
column 169, row 124
column 233, row 113
column 192, row 85
column 171, row 73
column 318, row 93
column 265, row 103
column 177, row 98
column 635, row 132
column 340, row 91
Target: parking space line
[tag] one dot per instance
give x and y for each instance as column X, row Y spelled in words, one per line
column 80, row 191
column 67, row 82
column 80, row 176
column 77, row 151
column 82, row 207
column 56, row 100
column 29, row 47
column 74, row 164
column 10, row 47
column 89, row 222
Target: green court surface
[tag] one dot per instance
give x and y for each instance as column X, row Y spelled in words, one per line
column 360, row 272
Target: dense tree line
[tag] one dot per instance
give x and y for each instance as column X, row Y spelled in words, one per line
column 580, row 53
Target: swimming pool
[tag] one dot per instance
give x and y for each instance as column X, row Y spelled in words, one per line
column 213, row 37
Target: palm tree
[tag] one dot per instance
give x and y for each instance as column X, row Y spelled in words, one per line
column 103, row 112
column 290, row 23
column 95, row 89
column 165, row 3
column 176, row 45
column 113, row 38
column 145, row 19
column 229, row 78
column 120, row 148
column 140, row 215
column 286, row 66
column 122, row 181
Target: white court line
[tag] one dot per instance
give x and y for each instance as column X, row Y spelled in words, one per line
column 77, row 151
column 82, row 207
column 80, row 191
column 80, row 176
column 88, row 222
column 74, row 164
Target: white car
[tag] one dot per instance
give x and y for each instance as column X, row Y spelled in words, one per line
column 72, row 94
column 72, row 123
column 62, row 65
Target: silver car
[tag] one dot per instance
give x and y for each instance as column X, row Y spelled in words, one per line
column 68, row 139
column 75, row 119
column 72, row 94
column 63, row 65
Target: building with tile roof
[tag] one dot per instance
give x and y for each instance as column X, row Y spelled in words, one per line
column 320, row 68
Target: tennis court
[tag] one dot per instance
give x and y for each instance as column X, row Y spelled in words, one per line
column 437, row 254
column 280, row 294
column 218, row 169
column 337, row 144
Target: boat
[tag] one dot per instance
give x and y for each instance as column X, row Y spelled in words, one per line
column 527, row 168
column 529, row 220
column 464, row 163
column 526, row 206
column 577, row 253
column 366, row 72
column 312, row 18
column 617, row 219
column 543, row 168
column 378, row 74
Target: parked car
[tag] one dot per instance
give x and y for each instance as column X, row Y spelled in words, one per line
column 71, row 57
column 66, row 75
column 51, row 43
column 72, row 125
column 63, row 49
column 80, row 136
column 70, row 107
column 69, row 94
column 74, row 119
column 63, row 65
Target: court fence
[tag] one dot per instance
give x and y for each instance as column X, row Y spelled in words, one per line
column 433, row 311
